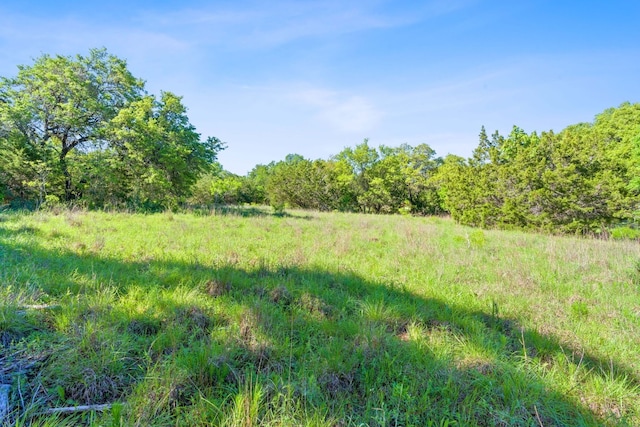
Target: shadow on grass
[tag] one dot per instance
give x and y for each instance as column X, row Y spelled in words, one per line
column 362, row 352
column 232, row 210
column 245, row 211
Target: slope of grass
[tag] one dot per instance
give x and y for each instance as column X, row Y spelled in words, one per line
column 245, row 318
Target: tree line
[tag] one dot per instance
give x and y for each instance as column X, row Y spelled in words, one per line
column 584, row 179
column 361, row 179
column 83, row 129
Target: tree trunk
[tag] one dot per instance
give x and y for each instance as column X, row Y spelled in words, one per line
column 67, row 175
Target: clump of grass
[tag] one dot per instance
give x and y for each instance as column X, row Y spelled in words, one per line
column 144, row 326
column 159, row 396
column 16, row 325
column 96, row 365
column 280, row 295
column 217, row 288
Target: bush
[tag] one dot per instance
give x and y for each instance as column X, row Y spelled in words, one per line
column 625, row 233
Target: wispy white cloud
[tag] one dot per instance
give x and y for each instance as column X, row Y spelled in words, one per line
column 264, row 122
column 343, row 111
column 464, row 90
column 161, row 58
column 149, row 35
column 22, row 34
column 268, row 24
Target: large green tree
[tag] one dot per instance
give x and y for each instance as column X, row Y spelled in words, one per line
column 157, row 154
column 84, row 126
column 303, row 183
column 60, row 104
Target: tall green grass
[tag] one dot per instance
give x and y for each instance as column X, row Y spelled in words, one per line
column 242, row 318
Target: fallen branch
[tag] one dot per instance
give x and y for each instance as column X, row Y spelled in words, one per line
column 81, row 408
column 538, row 416
column 4, row 401
column 23, row 308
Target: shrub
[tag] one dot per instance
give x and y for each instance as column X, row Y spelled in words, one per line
column 625, row 233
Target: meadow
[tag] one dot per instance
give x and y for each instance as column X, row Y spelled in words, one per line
column 239, row 317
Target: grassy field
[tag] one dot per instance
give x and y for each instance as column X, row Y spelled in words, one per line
column 243, row 318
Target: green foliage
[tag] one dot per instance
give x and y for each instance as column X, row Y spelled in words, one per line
column 68, row 124
column 580, row 180
column 364, row 179
column 306, row 184
column 400, row 179
column 625, row 233
column 464, row 191
column 83, row 129
column 255, row 186
column 219, row 187
column 155, row 152
column 60, row 104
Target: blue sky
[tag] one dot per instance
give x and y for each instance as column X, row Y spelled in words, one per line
column 312, row 77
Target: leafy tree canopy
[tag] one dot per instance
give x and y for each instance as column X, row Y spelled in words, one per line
column 66, row 120
column 582, row 179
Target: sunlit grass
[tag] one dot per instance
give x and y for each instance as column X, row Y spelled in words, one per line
column 246, row 318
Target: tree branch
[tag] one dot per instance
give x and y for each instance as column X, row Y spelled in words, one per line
column 82, row 408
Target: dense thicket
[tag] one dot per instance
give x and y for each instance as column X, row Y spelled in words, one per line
column 84, row 128
column 583, row 179
column 362, row 179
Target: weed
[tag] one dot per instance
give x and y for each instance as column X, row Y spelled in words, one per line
column 579, row 309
